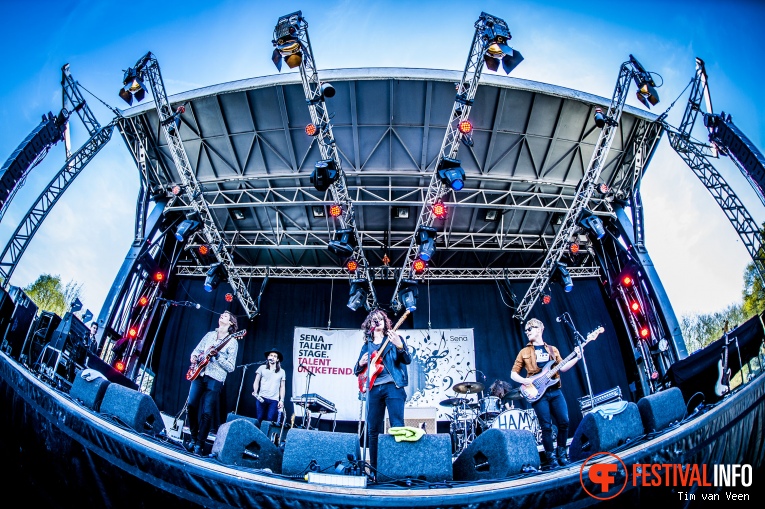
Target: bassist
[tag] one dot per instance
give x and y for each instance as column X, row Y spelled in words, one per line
column 387, row 388
column 551, row 404
column 205, row 388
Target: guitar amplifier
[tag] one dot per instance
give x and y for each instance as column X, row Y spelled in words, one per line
column 609, row 396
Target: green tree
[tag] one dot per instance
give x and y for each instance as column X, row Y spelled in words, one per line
column 49, row 295
column 701, row 329
column 754, row 291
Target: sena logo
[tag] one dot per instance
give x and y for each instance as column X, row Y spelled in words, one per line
column 603, row 475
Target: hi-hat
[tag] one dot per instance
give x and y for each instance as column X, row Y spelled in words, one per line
column 456, row 402
column 468, row 387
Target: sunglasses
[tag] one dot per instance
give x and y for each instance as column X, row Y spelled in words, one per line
column 528, row 329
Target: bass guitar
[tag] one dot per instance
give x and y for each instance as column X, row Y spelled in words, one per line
column 722, row 386
column 197, row 367
column 375, row 366
column 542, row 380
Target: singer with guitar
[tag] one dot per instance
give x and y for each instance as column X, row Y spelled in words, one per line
column 386, row 375
column 551, row 404
column 206, row 385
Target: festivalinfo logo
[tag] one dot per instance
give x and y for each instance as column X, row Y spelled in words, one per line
column 605, row 476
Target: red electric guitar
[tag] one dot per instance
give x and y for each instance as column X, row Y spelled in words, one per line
column 196, row 368
column 375, row 366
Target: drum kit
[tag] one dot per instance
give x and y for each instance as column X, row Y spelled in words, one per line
column 470, row 418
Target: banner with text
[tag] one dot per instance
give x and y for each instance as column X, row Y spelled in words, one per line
column 441, row 358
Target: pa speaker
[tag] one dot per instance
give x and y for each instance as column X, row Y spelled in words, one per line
column 661, row 409
column 600, row 431
column 239, row 442
column 306, row 450
column 428, row 459
column 497, row 453
column 232, row 416
column 133, row 408
column 89, row 393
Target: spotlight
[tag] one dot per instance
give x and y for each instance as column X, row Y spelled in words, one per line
column 120, row 366
column 327, row 90
column 289, row 50
column 229, row 297
column 592, row 223
column 215, row 274
column 603, row 188
column 561, row 271
column 159, row 276
column 497, row 49
column 187, row 227
column 203, row 249
column 176, row 190
column 335, row 210
column 358, row 294
column 451, row 174
column 439, row 209
column 627, row 281
column 132, row 332
column 311, row 130
column 465, row 127
column 573, row 247
column 341, row 246
column 600, row 118
column 419, row 265
column 635, row 306
column 143, row 300
column 352, row 265
column 645, row 333
column 426, row 239
column 132, row 86
column 646, row 93
column 324, row 174
column 546, row 299
column 407, row 294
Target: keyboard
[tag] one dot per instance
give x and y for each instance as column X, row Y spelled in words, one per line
column 314, row 403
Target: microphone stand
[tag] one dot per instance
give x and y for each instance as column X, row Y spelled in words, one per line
column 365, row 444
column 580, row 342
column 165, row 305
column 241, row 384
column 308, row 375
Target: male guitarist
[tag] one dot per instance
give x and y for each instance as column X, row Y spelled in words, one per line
column 551, row 404
column 387, row 388
column 205, row 388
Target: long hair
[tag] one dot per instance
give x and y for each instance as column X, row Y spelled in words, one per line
column 367, row 325
column 499, row 388
column 278, row 366
column 232, row 327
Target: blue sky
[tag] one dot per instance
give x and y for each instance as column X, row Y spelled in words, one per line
column 579, row 45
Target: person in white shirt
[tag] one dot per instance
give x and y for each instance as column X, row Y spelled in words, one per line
column 268, row 387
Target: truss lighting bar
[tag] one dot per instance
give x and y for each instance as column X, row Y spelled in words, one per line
column 295, row 27
column 148, row 67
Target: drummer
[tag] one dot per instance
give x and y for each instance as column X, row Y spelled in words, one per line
column 507, row 395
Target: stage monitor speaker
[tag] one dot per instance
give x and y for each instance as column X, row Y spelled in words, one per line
column 274, row 431
column 601, row 432
column 135, row 409
column 89, row 392
column 661, row 409
column 6, row 311
column 427, row 459
column 239, row 442
column 232, row 416
column 496, row 454
column 23, row 316
column 306, row 450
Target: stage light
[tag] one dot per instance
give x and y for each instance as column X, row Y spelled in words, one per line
column 215, row 274
column 592, row 223
column 645, row 333
column 186, row 229
column 324, row 174
column 159, row 276
column 132, row 332
column 635, row 306
column 289, row 50
column 561, row 271
column 491, row 215
column 176, row 190
column 352, row 265
column 335, row 210
column 627, row 281
column 203, row 249
column 646, row 93
column 573, row 247
column 465, row 127
column 600, row 118
column 341, row 246
column 358, row 294
column 120, row 366
column 311, row 130
column 426, row 239
column 229, row 297
column 143, row 300
column 400, row 212
column 327, row 90
column 439, row 209
column 132, row 87
column 451, row 174
column 546, row 299
column 407, row 294
column 497, row 49
column 603, row 188
column 419, row 265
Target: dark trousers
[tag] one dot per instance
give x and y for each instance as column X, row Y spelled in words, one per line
column 382, row 397
column 203, row 401
column 266, row 411
column 552, row 405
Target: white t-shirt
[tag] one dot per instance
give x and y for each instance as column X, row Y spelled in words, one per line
column 270, row 382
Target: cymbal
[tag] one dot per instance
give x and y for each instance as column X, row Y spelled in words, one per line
column 456, row 402
column 468, row 387
column 514, row 394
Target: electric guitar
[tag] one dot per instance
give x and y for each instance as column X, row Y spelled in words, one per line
column 542, row 380
column 375, row 366
column 197, row 367
column 722, row 386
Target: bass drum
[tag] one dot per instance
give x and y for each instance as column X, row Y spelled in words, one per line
column 519, row 419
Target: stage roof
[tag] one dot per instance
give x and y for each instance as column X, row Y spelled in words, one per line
column 532, row 143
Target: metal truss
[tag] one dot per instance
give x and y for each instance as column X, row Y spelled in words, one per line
column 463, row 103
column 76, row 102
column 148, row 68
column 584, row 192
column 295, row 26
column 21, row 238
column 434, row 274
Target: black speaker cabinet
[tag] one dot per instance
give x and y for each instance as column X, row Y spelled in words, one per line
column 322, row 449
column 21, row 322
column 661, row 409
column 133, row 408
column 428, row 459
column 232, row 416
column 239, row 442
column 601, row 432
column 497, row 453
column 89, row 392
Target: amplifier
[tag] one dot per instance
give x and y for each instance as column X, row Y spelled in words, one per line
column 609, row 396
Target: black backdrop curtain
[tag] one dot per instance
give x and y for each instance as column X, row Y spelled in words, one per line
column 480, row 305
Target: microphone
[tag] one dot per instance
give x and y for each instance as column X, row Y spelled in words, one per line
column 308, row 372
column 192, row 304
column 561, row 318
